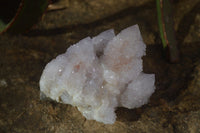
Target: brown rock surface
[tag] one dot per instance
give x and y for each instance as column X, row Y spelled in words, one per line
column 174, row 107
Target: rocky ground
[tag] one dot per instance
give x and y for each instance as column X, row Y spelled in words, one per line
column 173, row 108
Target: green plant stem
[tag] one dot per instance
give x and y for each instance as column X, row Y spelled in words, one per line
column 166, row 27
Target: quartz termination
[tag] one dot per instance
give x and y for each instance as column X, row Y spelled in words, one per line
column 99, row 74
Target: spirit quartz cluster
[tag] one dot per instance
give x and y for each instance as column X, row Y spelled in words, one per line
column 99, row 74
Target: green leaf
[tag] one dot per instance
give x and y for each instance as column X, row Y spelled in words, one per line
column 166, row 27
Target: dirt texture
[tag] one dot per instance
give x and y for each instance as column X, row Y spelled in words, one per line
column 173, row 108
